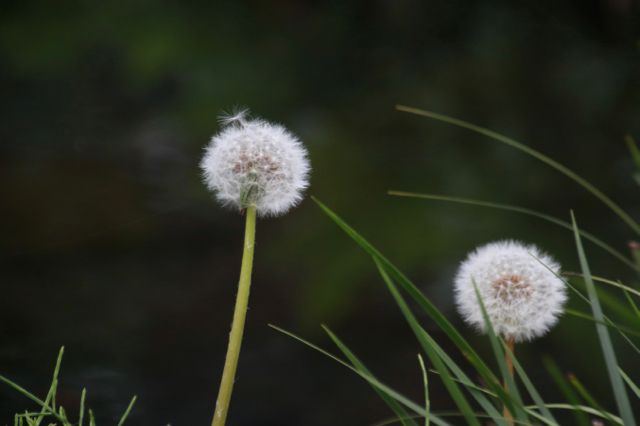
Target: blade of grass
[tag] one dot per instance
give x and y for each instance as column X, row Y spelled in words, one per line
column 527, row 383
column 51, row 395
column 453, row 389
column 32, row 397
column 632, row 303
column 619, row 391
column 584, row 393
column 392, row 403
column 606, row 200
column 126, row 413
column 477, row 392
column 566, row 389
column 632, row 385
column 624, row 336
column 620, row 308
column 609, row 324
column 84, row 394
column 530, row 212
column 499, row 354
column 583, row 409
column 395, row 395
column 444, row 324
column 427, row 404
column 633, row 149
column 606, row 281
column 528, row 409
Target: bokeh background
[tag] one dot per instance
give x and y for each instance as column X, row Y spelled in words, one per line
column 111, row 246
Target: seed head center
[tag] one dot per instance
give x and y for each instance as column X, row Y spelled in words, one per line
column 510, row 288
column 261, row 164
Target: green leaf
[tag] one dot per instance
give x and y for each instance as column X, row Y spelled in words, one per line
column 619, row 391
column 477, row 392
column 126, row 413
column 392, row 403
column 606, row 200
column 582, row 408
column 395, row 395
column 624, row 336
column 606, row 281
column 566, row 389
column 632, row 385
column 620, row 328
column 632, row 303
column 427, row 404
column 530, row 212
column 82, row 398
column 453, row 389
column 23, row 391
column 633, row 149
column 444, row 324
column 586, row 395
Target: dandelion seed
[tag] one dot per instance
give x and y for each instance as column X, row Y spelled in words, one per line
column 252, row 162
column 523, row 298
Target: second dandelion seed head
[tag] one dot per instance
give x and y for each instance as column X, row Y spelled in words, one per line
column 518, row 285
column 252, row 162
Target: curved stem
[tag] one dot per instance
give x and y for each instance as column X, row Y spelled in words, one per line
column 235, row 338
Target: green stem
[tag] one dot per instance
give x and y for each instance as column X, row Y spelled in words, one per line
column 239, row 315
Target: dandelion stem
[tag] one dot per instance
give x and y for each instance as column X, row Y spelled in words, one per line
column 239, row 315
column 506, row 413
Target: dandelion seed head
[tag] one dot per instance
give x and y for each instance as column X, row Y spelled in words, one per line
column 255, row 162
column 523, row 298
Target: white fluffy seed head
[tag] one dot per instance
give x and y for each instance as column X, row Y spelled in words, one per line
column 252, row 162
column 522, row 297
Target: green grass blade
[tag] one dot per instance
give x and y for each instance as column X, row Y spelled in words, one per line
column 31, row 396
column 427, row 404
column 583, row 409
column 444, row 324
column 572, row 288
column 516, row 408
column 82, row 398
column 51, row 395
column 477, row 392
column 606, row 200
column 606, row 281
column 126, row 413
column 392, row 403
column 30, row 421
column 632, row 303
column 609, row 324
column 92, row 420
column 619, row 391
column 632, row 385
column 566, row 389
column 54, row 383
column 398, row 397
column 633, row 149
column 586, row 395
column 453, row 389
column 529, row 212
column 527, row 383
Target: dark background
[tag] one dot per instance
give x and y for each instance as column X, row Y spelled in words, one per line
column 111, row 246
